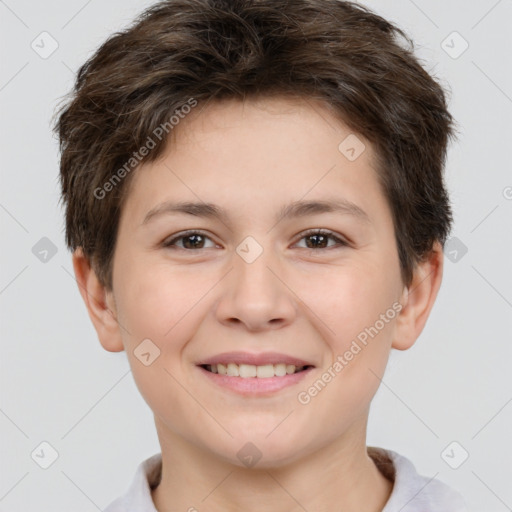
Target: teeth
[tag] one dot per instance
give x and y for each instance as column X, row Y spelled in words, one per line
column 249, row 370
column 280, row 369
column 233, row 370
column 265, row 371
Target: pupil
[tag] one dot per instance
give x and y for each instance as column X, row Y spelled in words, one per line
column 316, row 237
column 194, row 244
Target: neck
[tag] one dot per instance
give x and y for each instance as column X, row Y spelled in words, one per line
column 340, row 476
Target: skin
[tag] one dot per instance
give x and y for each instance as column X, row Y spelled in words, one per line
column 252, row 158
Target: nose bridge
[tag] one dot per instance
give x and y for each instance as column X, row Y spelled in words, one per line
column 252, row 275
column 252, row 264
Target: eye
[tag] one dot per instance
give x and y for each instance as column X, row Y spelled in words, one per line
column 191, row 240
column 196, row 240
column 320, row 237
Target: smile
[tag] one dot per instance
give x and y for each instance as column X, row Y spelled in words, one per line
column 254, row 381
column 246, row 371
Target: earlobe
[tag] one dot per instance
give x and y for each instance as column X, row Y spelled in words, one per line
column 99, row 302
column 419, row 299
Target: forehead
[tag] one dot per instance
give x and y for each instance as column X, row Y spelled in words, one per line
column 253, row 154
column 269, row 122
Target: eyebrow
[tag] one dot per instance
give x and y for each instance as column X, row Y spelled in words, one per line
column 292, row 210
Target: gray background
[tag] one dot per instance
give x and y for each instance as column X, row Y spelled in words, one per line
column 59, row 386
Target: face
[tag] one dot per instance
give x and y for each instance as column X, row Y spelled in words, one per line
column 249, row 282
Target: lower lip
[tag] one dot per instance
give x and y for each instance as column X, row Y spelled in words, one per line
column 255, row 386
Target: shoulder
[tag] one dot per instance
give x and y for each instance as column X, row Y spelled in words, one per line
column 138, row 496
column 413, row 492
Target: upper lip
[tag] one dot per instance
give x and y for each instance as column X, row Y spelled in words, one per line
column 254, row 359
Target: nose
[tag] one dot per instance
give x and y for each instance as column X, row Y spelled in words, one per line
column 255, row 296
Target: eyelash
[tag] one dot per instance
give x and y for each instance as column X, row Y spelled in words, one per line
column 169, row 243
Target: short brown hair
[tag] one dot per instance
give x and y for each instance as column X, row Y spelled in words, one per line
column 336, row 51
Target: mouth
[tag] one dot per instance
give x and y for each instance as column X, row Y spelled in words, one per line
column 247, row 371
column 255, row 375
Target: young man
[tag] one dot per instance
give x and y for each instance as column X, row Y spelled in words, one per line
column 255, row 201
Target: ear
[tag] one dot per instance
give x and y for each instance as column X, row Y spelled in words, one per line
column 418, row 299
column 100, row 303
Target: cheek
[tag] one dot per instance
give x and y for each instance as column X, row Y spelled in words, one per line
column 154, row 298
column 167, row 305
column 358, row 309
column 347, row 300
column 156, row 304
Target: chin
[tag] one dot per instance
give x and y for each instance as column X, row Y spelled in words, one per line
column 261, row 452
